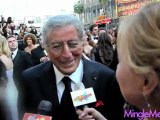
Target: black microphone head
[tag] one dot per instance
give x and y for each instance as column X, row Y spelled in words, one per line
column 45, row 107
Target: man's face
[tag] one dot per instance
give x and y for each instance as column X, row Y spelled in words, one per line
column 12, row 43
column 95, row 31
column 65, row 49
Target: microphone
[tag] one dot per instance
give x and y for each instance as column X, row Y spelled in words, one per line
column 81, row 96
column 45, row 107
column 44, row 112
column 79, row 86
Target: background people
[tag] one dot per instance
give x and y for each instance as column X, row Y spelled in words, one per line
column 39, row 55
column 30, row 40
column 5, row 53
column 21, row 60
column 94, row 32
column 4, row 114
column 8, row 87
column 103, row 52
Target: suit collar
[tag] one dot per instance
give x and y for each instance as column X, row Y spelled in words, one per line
column 49, row 81
column 17, row 55
column 90, row 74
column 14, row 53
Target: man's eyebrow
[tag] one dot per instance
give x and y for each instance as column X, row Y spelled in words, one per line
column 56, row 42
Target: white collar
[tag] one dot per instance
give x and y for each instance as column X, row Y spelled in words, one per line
column 15, row 51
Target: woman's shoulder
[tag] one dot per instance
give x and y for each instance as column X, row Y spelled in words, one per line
column 27, row 49
column 7, row 61
column 94, row 49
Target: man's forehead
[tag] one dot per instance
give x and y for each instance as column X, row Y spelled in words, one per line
column 95, row 28
column 11, row 38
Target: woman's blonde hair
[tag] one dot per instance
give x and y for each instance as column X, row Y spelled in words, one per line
column 4, row 48
column 139, row 36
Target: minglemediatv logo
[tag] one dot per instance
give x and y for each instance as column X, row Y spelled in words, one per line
column 85, row 96
column 82, row 97
column 141, row 115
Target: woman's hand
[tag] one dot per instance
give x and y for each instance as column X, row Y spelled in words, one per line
column 44, row 59
column 90, row 114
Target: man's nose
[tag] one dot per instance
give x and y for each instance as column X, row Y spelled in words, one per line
column 66, row 51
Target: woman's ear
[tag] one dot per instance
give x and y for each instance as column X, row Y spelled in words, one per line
column 150, row 83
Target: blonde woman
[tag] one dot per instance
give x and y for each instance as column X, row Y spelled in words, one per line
column 138, row 71
column 5, row 54
column 11, row 91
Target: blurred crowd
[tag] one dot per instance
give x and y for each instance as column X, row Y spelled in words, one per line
column 100, row 45
column 8, row 27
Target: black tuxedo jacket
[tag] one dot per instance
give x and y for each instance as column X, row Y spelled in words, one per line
column 21, row 62
column 40, row 84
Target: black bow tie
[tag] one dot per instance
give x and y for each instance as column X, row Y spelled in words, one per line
column 96, row 37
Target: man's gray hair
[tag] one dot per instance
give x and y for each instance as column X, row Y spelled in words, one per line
column 59, row 21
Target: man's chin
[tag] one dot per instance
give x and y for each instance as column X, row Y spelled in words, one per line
column 13, row 49
column 68, row 71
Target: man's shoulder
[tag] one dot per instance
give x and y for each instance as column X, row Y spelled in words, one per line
column 21, row 52
column 37, row 70
column 98, row 67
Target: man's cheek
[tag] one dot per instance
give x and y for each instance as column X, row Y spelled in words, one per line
column 78, row 52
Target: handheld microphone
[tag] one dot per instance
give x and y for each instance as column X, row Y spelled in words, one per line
column 44, row 112
column 81, row 96
column 79, row 86
column 45, row 107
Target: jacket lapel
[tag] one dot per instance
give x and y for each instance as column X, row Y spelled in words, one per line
column 90, row 77
column 89, row 74
column 16, row 57
column 48, row 80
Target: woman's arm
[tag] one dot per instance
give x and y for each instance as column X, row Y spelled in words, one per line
column 7, row 61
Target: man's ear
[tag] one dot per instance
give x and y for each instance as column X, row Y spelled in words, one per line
column 150, row 83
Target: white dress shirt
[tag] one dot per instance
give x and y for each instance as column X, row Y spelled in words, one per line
column 76, row 78
column 92, row 38
column 14, row 53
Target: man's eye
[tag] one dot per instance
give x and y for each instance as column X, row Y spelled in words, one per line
column 56, row 46
column 73, row 44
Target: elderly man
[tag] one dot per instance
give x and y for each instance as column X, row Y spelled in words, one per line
column 53, row 80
